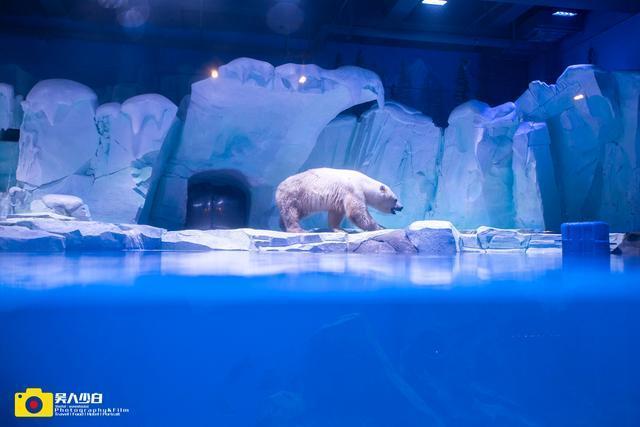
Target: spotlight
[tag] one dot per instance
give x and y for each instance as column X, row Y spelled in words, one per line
column 578, row 97
column 302, row 80
column 214, row 73
column 564, row 13
column 435, row 2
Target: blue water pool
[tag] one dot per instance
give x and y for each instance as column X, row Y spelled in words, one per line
column 241, row 339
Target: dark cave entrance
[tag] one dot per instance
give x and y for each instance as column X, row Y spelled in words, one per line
column 217, row 200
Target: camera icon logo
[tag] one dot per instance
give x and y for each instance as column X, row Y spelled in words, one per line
column 33, row 403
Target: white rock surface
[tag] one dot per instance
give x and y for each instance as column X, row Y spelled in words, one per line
column 58, row 136
column 434, row 237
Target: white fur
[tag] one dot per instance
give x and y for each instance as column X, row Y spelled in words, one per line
column 338, row 191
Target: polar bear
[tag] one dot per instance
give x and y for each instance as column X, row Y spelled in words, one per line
column 340, row 192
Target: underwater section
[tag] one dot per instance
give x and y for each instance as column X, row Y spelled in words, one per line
column 315, row 340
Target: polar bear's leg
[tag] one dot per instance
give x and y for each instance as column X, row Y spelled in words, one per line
column 335, row 218
column 290, row 219
column 358, row 214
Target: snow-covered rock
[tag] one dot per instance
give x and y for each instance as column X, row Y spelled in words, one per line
column 434, row 237
column 475, row 175
column 261, row 122
column 23, row 239
column 58, row 135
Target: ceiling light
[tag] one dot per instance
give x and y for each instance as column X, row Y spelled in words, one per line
column 564, row 13
column 435, row 2
column 578, row 97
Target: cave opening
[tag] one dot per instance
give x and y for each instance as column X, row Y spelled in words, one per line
column 217, row 200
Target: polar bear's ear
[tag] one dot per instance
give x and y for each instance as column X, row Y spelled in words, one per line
column 383, row 188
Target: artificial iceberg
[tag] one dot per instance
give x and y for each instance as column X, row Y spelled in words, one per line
column 561, row 152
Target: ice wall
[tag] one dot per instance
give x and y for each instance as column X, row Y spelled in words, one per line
column 130, row 138
column 58, row 134
column 261, row 121
column 10, row 110
column 10, row 118
column 105, row 156
column 475, row 183
column 535, row 195
column 563, row 152
column 592, row 116
column 393, row 144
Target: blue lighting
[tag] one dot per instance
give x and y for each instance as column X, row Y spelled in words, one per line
column 564, row 13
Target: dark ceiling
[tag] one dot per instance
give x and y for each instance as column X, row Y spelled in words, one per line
column 509, row 25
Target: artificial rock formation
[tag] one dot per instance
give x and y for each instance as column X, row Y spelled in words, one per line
column 260, row 123
column 562, row 152
column 592, row 117
column 103, row 155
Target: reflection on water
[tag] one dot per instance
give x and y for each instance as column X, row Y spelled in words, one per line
column 37, row 270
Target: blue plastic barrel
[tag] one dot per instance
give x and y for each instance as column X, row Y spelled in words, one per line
column 585, row 238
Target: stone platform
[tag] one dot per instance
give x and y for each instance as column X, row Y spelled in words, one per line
column 48, row 232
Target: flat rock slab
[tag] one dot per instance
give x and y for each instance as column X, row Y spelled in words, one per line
column 22, row 239
column 92, row 235
column 381, row 241
column 434, row 237
column 206, row 240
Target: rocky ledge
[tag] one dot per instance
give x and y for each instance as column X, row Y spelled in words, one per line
column 49, row 232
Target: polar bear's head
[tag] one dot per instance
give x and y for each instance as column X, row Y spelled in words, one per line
column 382, row 199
